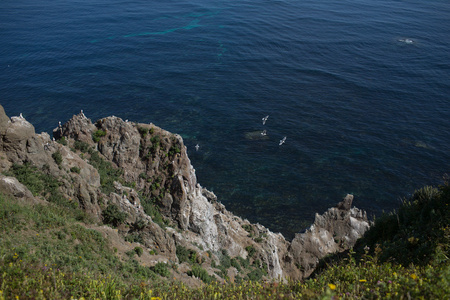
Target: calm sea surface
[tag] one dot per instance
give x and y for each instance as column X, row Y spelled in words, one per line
column 359, row 88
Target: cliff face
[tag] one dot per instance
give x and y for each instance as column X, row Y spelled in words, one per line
column 154, row 168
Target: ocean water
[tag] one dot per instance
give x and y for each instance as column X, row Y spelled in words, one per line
column 359, row 88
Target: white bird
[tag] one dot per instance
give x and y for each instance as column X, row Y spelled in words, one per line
column 197, row 147
column 82, row 114
column 59, row 124
column 21, row 116
column 264, row 133
column 282, row 141
column 265, row 119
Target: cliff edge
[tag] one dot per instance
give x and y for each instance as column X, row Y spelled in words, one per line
column 145, row 172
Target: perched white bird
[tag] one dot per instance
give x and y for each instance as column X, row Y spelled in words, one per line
column 265, row 119
column 21, row 116
column 282, row 141
column 197, row 147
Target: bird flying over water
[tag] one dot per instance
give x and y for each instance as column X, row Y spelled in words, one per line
column 265, row 119
column 264, row 133
column 282, row 141
column 197, row 147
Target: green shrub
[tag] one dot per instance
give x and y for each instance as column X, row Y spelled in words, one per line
column 143, row 131
column 150, row 208
column 161, row 269
column 97, row 135
column 201, row 273
column 75, row 170
column 156, row 140
column 235, row 264
column 255, row 275
column 138, row 251
column 113, row 216
column 139, row 224
column 82, row 146
column 244, row 262
column 251, row 251
column 186, row 255
column 62, row 141
column 225, row 259
column 134, row 237
column 57, row 157
column 415, row 232
column 174, row 150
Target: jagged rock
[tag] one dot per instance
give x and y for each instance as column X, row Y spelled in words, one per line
column 334, row 231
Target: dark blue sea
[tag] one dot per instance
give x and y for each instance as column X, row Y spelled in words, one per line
column 359, row 88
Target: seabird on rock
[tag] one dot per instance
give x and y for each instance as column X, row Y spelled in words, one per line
column 265, row 119
column 21, row 116
column 59, row 124
column 282, row 141
column 82, row 113
column 197, row 147
column 264, row 132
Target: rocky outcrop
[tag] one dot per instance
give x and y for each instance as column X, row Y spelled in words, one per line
column 156, row 173
column 334, row 231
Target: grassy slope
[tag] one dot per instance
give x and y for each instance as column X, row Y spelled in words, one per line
column 46, row 252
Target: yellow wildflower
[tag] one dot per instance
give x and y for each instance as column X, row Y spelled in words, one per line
column 332, row 286
column 413, row 276
column 362, row 280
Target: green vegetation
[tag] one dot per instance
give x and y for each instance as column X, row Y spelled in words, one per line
column 186, row 255
column 57, row 157
column 41, row 184
column 75, row 170
column 138, row 251
column 143, row 131
column 113, row 215
column 156, row 141
column 151, row 209
column 161, row 269
column 174, row 150
column 251, row 251
column 201, row 273
column 108, row 174
column 46, row 253
column 97, row 135
column 82, row 146
column 62, row 141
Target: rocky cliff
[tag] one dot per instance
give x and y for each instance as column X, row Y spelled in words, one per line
column 145, row 172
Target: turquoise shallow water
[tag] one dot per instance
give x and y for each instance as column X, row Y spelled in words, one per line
column 359, row 88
